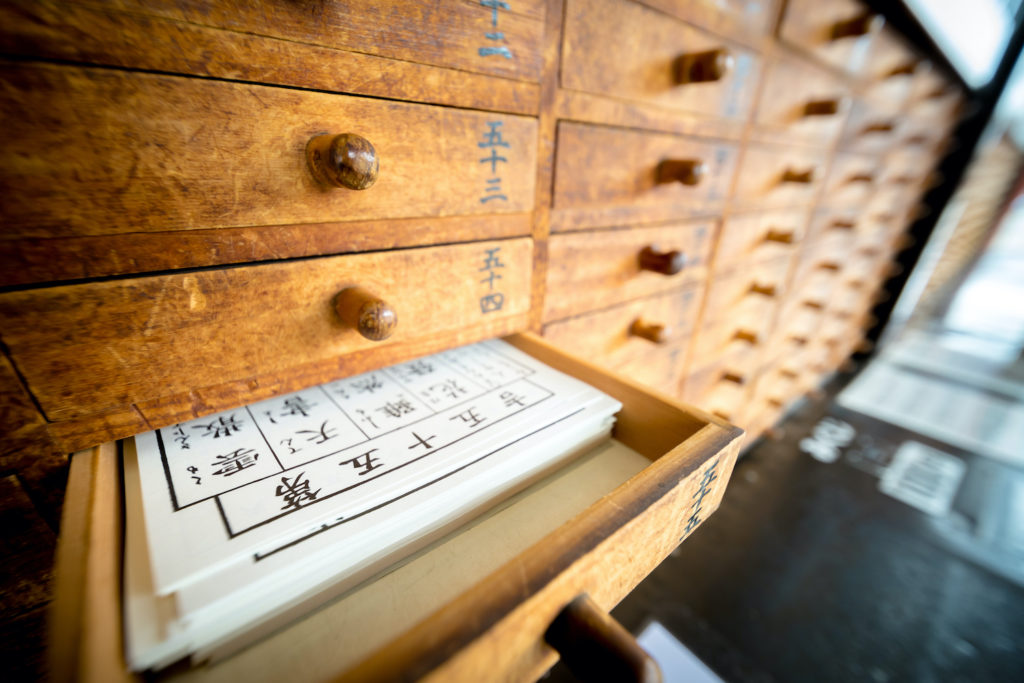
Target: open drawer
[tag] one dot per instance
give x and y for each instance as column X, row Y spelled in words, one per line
column 472, row 606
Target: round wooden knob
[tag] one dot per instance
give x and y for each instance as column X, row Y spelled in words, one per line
column 841, row 224
column 823, row 107
column 780, row 236
column 702, row 67
column 373, row 317
column 734, row 378
column 798, row 177
column 764, row 290
column 799, row 341
column 595, row 647
column 861, row 178
column 664, row 262
column 907, row 69
column 659, row 334
column 345, row 160
column 878, row 127
column 685, row 171
column 855, row 27
column 746, row 335
column 917, row 140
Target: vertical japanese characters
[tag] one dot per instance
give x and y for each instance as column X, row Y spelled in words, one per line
column 495, row 48
column 493, row 299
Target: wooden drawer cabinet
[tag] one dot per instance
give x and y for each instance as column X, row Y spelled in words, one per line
column 592, row 270
column 625, row 50
column 605, row 175
column 107, row 345
column 597, row 526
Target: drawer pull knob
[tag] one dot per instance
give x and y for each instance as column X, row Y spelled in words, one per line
column 685, row 171
column 764, row 290
column 903, row 180
column 830, row 265
column 879, row 128
column 858, row 26
column 799, row 341
column 664, row 262
column 734, row 378
column 747, row 336
column 907, row 69
column 595, row 647
column 373, row 317
column 780, row 236
column 814, row 305
column 917, row 140
column 345, row 160
column 861, row 178
column 703, row 67
column 843, row 224
column 798, row 177
column 823, row 107
column 659, row 334
column 788, row 373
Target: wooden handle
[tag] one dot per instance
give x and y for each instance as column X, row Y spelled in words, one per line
column 373, row 317
column 814, row 305
column 664, row 262
column 842, row 224
column 907, row 69
column 595, row 647
column 799, row 341
column 685, row 171
column 878, row 127
column 861, row 178
column 800, row 177
column 734, row 378
column 903, row 180
column 858, row 26
column 823, row 107
column 659, row 334
column 746, row 335
column 345, row 160
column 917, row 140
column 789, row 373
column 764, row 290
column 780, row 236
column 703, row 67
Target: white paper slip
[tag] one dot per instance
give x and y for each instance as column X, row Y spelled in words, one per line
column 529, row 418
column 226, row 487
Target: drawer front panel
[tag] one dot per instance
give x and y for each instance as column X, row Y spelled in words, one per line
column 779, row 176
column 92, row 347
column 749, row 292
column 735, row 344
column 450, row 34
column 627, row 51
column 93, row 152
column 614, row 336
column 837, row 32
column 851, row 179
column 614, row 172
column 801, row 100
column 750, row 19
column 761, row 236
column 715, row 388
column 592, row 270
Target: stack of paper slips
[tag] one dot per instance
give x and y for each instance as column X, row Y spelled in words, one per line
column 239, row 522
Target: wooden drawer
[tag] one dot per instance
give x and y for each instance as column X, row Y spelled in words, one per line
column 800, row 100
column 627, row 338
column 834, row 235
column 593, row 270
column 596, row 526
column 779, row 176
column 761, row 236
column 101, row 152
column 748, row 293
column 744, row 19
column 129, row 344
column 628, row 51
column 734, row 344
column 874, row 127
column 837, row 32
column 851, row 179
column 719, row 390
column 453, row 35
column 605, row 175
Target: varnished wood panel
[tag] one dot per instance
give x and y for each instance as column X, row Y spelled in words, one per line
column 797, row 99
column 93, row 152
column 449, row 34
column 95, row 347
column 749, row 291
column 604, row 175
column 747, row 20
column 624, row 50
column 808, row 25
column 76, row 32
column 779, row 176
column 851, row 179
column 760, row 236
column 593, row 270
